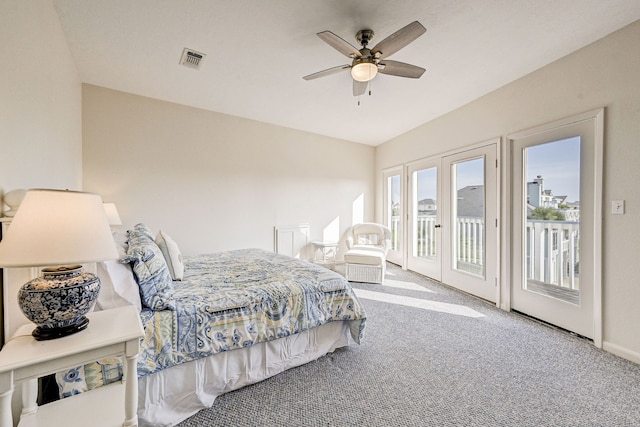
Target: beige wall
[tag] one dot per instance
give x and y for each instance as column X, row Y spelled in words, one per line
column 216, row 182
column 40, row 109
column 604, row 74
column 40, row 100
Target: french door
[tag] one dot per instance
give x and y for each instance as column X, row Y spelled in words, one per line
column 452, row 220
column 470, row 249
column 424, row 225
column 556, row 217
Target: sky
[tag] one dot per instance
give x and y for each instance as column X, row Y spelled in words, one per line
column 558, row 162
column 467, row 173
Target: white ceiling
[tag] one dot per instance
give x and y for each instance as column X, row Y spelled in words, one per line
column 258, row 51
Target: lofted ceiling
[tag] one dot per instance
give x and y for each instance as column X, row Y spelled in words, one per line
column 258, row 51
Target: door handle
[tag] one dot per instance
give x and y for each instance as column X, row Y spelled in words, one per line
column 437, row 226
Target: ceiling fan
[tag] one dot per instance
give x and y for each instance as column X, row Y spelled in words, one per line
column 367, row 63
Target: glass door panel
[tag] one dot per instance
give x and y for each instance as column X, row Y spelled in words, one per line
column 424, row 218
column 425, row 214
column 551, row 234
column 470, row 228
column 393, row 212
column 394, row 207
column 468, row 206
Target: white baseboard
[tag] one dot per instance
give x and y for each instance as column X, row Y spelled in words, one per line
column 623, row 352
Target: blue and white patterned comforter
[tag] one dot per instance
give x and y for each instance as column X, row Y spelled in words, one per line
column 238, row 298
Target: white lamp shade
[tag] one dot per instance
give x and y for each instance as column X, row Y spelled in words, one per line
column 112, row 214
column 364, row 71
column 56, row 227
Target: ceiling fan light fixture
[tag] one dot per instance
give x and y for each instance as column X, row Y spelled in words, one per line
column 364, row 71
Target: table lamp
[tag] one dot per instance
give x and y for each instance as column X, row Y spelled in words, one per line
column 112, row 214
column 13, row 199
column 62, row 229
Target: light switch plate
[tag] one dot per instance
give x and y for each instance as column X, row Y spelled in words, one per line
column 617, row 207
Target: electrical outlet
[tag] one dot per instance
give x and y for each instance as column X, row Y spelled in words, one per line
column 617, row 207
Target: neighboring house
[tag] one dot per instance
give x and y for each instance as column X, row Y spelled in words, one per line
column 571, row 212
column 539, row 197
column 471, row 201
column 427, row 207
column 558, row 201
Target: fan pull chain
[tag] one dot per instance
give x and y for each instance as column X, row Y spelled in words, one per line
column 368, row 87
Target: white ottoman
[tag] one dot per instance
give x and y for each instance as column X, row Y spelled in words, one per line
column 365, row 264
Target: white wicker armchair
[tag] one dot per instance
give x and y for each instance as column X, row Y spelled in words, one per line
column 366, row 257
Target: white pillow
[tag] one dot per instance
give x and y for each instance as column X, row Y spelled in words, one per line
column 172, row 255
column 122, row 242
column 118, row 287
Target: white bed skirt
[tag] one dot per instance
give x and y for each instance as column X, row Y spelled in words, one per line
column 173, row 395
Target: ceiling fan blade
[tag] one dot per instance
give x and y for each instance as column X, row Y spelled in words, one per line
column 398, row 40
column 400, row 69
column 339, row 44
column 327, row 72
column 359, row 88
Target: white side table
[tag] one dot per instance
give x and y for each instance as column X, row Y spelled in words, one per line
column 324, row 253
column 110, row 333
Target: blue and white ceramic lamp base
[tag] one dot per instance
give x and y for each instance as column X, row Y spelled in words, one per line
column 58, row 301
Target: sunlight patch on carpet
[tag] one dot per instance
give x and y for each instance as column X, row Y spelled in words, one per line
column 441, row 307
column 399, row 284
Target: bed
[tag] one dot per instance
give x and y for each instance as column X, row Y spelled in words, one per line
column 215, row 323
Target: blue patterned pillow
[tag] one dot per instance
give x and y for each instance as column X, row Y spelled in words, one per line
column 71, row 382
column 150, row 269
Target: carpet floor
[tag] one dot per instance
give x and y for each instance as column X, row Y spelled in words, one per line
column 433, row 356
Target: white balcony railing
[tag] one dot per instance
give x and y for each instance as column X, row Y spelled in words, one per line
column 425, row 243
column 469, row 250
column 395, row 230
column 552, row 252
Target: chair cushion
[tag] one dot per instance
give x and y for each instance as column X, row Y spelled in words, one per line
column 369, row 248
column 368, row 239
column 369, row 228
column 364, row 255
column 369, row 234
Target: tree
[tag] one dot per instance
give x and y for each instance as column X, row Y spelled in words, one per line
column 547, row 214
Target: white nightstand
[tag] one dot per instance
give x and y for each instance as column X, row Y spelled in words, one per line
column 110, row 333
